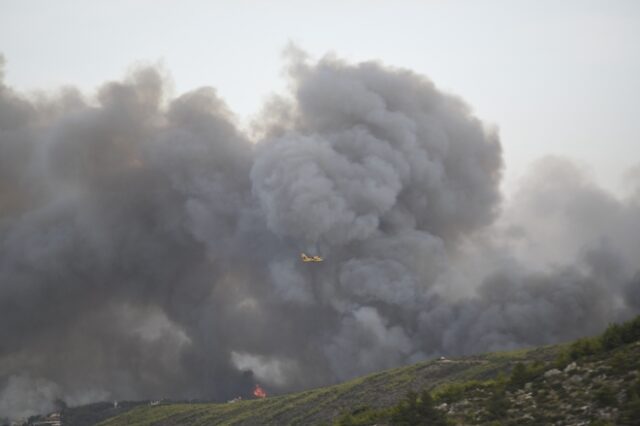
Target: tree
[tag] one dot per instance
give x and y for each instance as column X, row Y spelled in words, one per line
column 518, row 375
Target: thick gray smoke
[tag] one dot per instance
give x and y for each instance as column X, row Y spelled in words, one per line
column 149, row 248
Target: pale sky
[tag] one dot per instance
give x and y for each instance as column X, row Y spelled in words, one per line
column 556, row 77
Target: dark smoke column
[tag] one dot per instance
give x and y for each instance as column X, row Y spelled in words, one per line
column 383, row 174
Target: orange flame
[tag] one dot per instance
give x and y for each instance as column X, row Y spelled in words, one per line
column 258, row 392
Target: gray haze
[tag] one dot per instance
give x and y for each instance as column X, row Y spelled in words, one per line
column 149, row 248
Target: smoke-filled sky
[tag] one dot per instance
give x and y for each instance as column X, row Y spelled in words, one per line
column 556, row 77
column 150, row 229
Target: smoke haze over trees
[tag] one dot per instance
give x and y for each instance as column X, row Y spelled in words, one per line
column 149, row 245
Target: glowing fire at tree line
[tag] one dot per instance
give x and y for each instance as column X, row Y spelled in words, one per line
column 258, row 392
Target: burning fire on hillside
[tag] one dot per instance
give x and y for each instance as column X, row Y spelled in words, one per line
column 258, row 392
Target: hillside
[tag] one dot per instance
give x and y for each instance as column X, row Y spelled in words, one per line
column 591, row 381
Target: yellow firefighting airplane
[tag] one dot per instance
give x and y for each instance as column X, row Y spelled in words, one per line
column 306, row 258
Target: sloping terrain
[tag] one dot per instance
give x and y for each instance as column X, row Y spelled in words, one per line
column 318, row 406
column 592, row 381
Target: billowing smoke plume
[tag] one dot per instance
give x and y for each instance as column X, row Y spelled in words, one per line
column 149, row 248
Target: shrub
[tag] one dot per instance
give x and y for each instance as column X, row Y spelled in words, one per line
column 631, row 410
column 501, row 379
column 585, row 347
column 620, row 362
column 605, row 396
column 450, row 393
column 498, row 405
column 413, row 411
column 619, row 334
column 518, row 375
column 362, row 415
column 613, row 337
column 453, row 392
column 522, row 373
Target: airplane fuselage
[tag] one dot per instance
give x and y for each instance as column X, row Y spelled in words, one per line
column 306, row 258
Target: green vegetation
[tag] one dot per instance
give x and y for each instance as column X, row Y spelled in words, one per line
column 454, row 392
column 524, row 373
column 605, row 396
column 593, row 380
column 631, row 409
column 412, row 410
column 615, row 335
column 417, row 411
